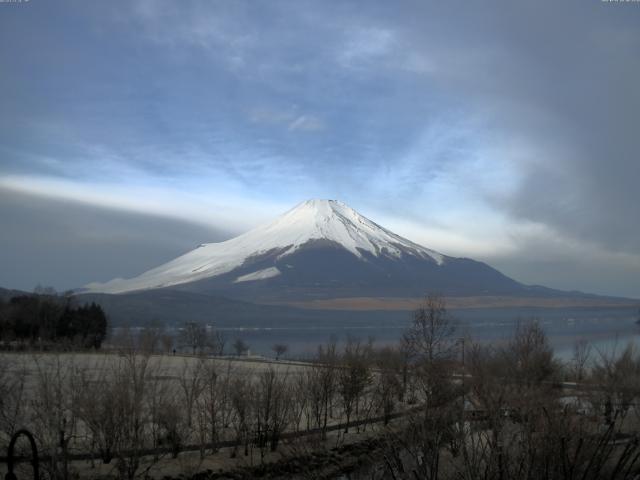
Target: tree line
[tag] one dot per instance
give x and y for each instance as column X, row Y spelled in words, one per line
column 47, row 319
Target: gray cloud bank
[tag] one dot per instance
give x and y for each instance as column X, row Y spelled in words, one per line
column 554, row 86
column 67, row 244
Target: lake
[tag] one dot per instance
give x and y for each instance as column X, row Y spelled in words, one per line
column 606, row 329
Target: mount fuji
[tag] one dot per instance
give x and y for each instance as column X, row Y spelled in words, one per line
column 321, row 249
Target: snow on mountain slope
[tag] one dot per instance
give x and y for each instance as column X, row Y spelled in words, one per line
column 311, row 220
column 259, row 275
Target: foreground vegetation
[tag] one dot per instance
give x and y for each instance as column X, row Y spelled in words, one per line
column 46, row 320
column 443, row 407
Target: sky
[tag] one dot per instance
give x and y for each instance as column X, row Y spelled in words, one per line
column 132, row 131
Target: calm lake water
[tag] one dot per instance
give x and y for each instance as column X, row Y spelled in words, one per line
column 607, row 329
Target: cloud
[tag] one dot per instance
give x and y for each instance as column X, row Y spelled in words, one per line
column 233, row 214
column 566, row 104
column 365, row 45
column 545, row 256
column 466, row 124
column 306, row 123
column 291, row 119
column 66, row 244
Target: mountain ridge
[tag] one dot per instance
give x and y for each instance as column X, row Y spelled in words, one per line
column 312, row 220
column 321, row 250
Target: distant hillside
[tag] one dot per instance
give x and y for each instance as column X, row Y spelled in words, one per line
column 176, row 307
column 6, row 294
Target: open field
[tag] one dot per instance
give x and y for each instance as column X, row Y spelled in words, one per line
column 110, row 414
column 166, row 367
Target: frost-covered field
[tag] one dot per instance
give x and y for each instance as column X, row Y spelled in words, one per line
column 110, row 412
column 168, row 366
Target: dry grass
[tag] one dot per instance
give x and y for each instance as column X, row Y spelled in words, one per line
column 409, row 304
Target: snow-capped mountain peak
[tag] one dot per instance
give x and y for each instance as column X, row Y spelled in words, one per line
column 325, row 220
column 335, row 221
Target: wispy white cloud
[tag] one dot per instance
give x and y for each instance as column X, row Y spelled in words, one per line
column 306, row 123
column 365, row 45
column 465, row 129
column 290, row 119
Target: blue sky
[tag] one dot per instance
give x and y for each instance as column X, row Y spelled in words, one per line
column 503, row 131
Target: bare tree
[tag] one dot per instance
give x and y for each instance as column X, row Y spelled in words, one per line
column 512, row 390
column 581, row 357
column 240, row 347
column 300, row 408
column 191, row 385
column 150, row 337
column 618, row 377
column 353, row 379
column 430, row 336
column 124, row 339
column 166, row 341
column 53, row 409
column 530, row 355
column 215, row 402
column 158, row 390
column 173, row 423
column 279, row 349
column 13, row 411
column 387, row 385
column 131, row 376
column 217, row 342
column 194, row 336
column 97, row 407
column 321, row 383
column 272, row 400
column 240, row 395
column 427, row 354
